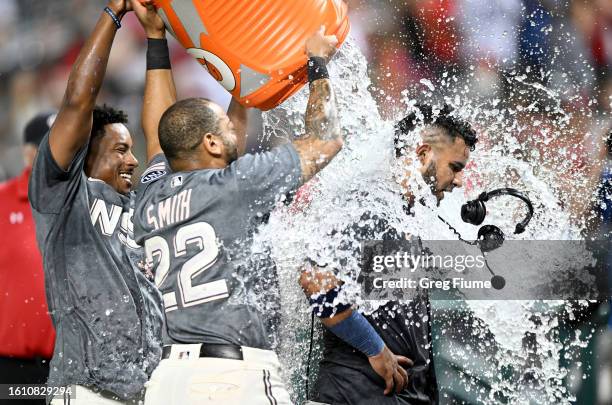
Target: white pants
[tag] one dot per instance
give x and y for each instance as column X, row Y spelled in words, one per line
column 85, row 396
column 186, row 379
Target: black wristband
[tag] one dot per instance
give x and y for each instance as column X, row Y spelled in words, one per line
column 158, row 56
column 113, row 16
column 317, row 69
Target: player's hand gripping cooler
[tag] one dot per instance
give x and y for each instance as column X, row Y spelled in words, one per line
column 254, row 48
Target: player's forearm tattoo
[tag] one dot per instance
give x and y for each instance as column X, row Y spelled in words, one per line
column 321, row 113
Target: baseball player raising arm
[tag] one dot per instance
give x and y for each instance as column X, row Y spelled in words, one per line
column 198, row 205
column 106, row 313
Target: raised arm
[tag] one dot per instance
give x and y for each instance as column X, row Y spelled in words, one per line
column 72, row 126
column 160, row 91
column 322, row 288
column 323, row 138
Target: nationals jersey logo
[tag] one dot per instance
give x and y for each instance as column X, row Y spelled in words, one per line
column 108, row 220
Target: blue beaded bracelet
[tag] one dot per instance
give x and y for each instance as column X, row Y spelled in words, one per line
column 112, row 15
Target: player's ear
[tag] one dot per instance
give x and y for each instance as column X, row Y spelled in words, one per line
column 213, row 145
column 423, row 152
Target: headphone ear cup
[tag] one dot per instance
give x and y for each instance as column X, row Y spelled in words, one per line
column 473, row 212
column 490, row 238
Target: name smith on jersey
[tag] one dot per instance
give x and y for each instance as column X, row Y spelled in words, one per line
column 170, row 211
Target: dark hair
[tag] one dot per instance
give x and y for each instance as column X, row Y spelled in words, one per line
column 105, row 115
column 454, row 127
column 36, row 129
column 184, row 124
column 609, row 143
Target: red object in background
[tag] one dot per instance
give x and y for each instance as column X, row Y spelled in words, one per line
column 472, row 181
column 601, row 55
column 26, row 330
column 440, row 34
column 254, row 48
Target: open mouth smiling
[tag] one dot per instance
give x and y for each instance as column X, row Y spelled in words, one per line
column 126, row 175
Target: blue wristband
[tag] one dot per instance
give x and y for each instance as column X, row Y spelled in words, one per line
column 113, row 16
column 357, row 332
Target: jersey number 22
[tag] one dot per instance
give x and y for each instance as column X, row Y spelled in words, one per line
column 203, row 236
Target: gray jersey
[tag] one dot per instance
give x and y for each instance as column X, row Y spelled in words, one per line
column 197, row 231
column 107, row 315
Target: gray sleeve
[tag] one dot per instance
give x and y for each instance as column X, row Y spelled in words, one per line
column 50, row 185
column 157, row 168
column 263, row 178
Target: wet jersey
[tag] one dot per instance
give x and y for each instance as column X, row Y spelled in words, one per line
column 107, row 315
column 345, row 374
column 197, row 229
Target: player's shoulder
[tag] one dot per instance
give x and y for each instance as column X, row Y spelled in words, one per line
column 158, row 168
column 372, row 225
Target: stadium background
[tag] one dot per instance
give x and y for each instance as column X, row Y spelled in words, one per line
column 404, row 41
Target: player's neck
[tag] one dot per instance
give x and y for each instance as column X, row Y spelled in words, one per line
column 201, row 163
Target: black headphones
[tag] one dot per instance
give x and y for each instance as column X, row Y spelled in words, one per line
column 490, row 237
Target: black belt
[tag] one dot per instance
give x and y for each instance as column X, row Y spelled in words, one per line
column 216, row 350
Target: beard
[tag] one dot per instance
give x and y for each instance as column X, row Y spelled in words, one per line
column 231, row 149
column 430, row 177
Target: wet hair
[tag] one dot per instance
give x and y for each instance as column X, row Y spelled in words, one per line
column 183, row 126
column 105, row 115
column 453, row 127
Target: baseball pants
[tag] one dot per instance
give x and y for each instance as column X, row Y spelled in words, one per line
column 184, row 378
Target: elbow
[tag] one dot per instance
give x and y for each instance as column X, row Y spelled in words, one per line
column 335, row 146
column 339, row 144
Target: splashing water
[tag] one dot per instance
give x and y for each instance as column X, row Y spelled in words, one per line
column 520, row 351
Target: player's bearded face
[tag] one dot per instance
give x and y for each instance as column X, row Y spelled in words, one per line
column 230, row 147
column 443, row 167
column 228, row 138
column 429, row 175
column 111, row 160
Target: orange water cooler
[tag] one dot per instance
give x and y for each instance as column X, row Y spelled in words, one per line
column 254, row 48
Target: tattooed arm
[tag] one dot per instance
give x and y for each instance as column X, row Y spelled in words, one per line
column 323, row 139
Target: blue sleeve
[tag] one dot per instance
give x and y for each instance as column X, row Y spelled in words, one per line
column 357, row 332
